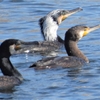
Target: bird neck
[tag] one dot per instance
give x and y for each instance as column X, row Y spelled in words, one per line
column 73, row 50
column 49, row 30
column 8, row 69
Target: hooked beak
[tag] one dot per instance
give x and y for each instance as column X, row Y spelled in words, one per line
column 71, row 12
column 21, row 45
column 25, row 45
column 88, row 30
column 68, row 13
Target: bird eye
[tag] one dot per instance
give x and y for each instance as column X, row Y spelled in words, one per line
column 86, row 28
column 18, row 42
column 63, row 12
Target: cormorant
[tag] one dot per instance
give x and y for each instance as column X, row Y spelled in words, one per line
column 11, row 76
column 49, row 24
column 75, row 56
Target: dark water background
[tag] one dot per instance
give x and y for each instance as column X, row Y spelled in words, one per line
column 19, row 19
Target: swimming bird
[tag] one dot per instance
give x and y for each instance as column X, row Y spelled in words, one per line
column 11, row 76
column 49, row 25
column 75, row 55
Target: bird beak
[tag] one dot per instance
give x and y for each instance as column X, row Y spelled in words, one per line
column 71, row 12
column 88, row 30
column 24, row 45
column 68, row 13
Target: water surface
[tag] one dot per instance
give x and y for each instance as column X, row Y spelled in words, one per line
column 19, row 19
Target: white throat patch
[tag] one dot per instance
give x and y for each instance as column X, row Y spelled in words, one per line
column 12, row 49
column 81, row 34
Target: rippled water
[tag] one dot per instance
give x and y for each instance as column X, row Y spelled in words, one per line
column 19, row 19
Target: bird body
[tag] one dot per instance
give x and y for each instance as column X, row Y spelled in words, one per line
column 75, row 55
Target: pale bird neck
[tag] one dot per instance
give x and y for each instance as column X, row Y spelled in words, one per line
column 50, row 28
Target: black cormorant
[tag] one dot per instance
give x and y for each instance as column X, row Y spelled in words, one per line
column 75, row 56
column 11, row 76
